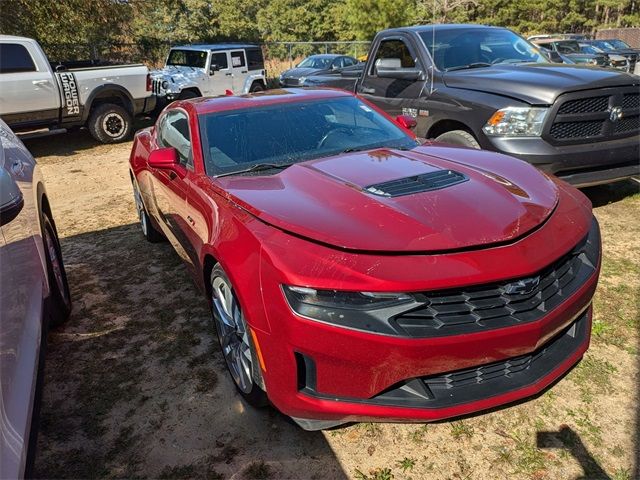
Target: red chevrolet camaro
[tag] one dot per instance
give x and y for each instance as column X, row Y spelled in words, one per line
column 355, row 274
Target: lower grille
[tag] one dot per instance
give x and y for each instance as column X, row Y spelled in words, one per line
column 628, row 124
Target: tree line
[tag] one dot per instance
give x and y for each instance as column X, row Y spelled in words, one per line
column 175, row 21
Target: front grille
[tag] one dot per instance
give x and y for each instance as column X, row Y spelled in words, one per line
column 474, row 309
column 584, row 105
column 591, row 116
column 577, row 129
column 417, row 183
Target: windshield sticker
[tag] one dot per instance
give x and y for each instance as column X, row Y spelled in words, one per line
column 236, row 61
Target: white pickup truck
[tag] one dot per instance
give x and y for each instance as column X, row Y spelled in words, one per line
column 35, row 94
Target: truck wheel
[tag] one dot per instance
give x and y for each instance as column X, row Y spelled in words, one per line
column 110, row 123
column 256, row 87
column 459, row 137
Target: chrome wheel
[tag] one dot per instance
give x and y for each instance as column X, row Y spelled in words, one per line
column 233, row 333
column 142, row 215
column 56, row 266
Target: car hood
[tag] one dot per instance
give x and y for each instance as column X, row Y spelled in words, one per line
column 179, row 75
column 301, row 72
column 536, row 83
column 325, row 200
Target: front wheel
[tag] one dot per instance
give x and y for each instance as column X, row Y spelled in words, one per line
column 235, row 339
column 59, row 294
column 459, row 137
column 110, row 123
column 256, row 87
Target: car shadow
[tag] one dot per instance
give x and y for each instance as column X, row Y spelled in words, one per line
column 135, row 384
column 613, row 192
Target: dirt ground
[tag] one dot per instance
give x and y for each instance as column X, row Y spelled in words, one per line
column 135, row 385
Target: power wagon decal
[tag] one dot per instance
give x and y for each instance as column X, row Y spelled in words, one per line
column 70, row 96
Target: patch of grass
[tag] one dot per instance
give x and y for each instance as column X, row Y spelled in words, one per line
column 375, row 474
column 593, row 376
column 504, row 455
column 461, row 429
column 371, row 429
column 417, row 436
column 529, row 459
column 621, row 474
column 586, row 426
column 406, row 464
column 258, row 471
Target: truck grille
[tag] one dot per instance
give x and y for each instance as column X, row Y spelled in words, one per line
column 156, row 87
column 501, row 305
column 598, row 115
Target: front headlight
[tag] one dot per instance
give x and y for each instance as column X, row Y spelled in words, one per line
column 164, row 84
column 367, row 311
column 516, row 122
column 301, row 80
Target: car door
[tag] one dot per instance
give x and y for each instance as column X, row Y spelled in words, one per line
column 220, row 75
column 28, row 91
column 169, row 187
column 22, row 290
column 239, row 69
column 395, row 96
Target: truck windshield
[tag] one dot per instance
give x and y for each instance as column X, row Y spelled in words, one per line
column 187, row 58
column 457, row 49
column 238, row 141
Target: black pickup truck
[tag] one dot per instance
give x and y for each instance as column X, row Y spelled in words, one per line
column 486, row 87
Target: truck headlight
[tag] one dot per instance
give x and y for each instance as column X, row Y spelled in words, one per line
column 516, row 122
column 164, row 84
column 367, row 311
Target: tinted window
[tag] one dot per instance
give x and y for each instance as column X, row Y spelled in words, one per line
column 174, row 132
column 348, row 61
column 459, row 48
column 219, row 59
column 236, row 140
column 254, row 59
column 15, row 58
column 319, row 63
column 187, row 58
column 395, row 49
column 237, row 59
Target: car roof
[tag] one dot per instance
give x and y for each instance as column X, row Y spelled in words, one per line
column 444, row 27
column 215, row 46
column 204, row 105
column 327, row 55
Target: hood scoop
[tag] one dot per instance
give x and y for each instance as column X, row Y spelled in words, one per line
column 425, row 182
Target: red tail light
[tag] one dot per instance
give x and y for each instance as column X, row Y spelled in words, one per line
column 148, row 82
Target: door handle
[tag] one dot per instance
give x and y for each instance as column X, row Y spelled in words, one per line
column 367, row 90
column 228, row 74
column 244, row 71
column 191, row 220
column 40, row 82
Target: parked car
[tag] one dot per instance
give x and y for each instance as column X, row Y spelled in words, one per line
column 572, row 50
column 105, row 99
column 615, row 61
column 208, row 70
column 356, row 274
column 34, row 294
column 489, row 88
column 313, row 65
column 618, row 47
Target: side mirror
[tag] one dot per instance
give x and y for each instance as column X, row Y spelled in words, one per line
column 406, row 121
column 11, row 199
column 164, row 158
column 392, row 68
column 213, row 68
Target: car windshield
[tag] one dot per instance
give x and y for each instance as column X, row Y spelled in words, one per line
column 187, row 58
column 316, row 62
column 237, row 140
column 457, row 49
column 619, row 44
column 590, row 49
column 568, row 46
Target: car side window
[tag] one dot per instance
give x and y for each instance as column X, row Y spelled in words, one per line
column 237, row 59
column 219, row 59
column 394, row 48
column 15, row 58
column 174, row 132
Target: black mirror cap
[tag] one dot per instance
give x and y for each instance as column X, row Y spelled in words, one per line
column 11, row 209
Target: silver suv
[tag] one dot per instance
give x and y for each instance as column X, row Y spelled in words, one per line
column 209, row 70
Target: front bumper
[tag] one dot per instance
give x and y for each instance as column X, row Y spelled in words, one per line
column 323, row 375
column 579, row 165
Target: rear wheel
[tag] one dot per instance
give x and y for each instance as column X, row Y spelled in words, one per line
column 256, row 87
column 459, row 137
column 235, row 339
column 59, row 294
column 110, row 123
column 148, row 230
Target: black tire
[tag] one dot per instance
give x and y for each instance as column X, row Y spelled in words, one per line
column 459, row 137
column 187, row 94
column 254, row 393
column 256, row 87
column 59, row 303
column 110, row 123
column 148, row 230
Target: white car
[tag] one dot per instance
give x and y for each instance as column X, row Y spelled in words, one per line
column 209, row 70
column 35, row 94
column 34, row 294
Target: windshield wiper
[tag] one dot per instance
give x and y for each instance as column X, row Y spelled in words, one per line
column 471, row 65
column 258, row 167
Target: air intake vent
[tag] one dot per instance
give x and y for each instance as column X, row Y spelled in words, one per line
column 417, row 184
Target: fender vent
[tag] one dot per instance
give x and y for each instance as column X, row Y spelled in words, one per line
column 417, row 184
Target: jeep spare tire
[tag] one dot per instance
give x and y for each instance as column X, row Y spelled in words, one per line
column 110, row 123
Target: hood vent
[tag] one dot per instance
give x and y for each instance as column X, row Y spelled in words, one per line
column 417, row 184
